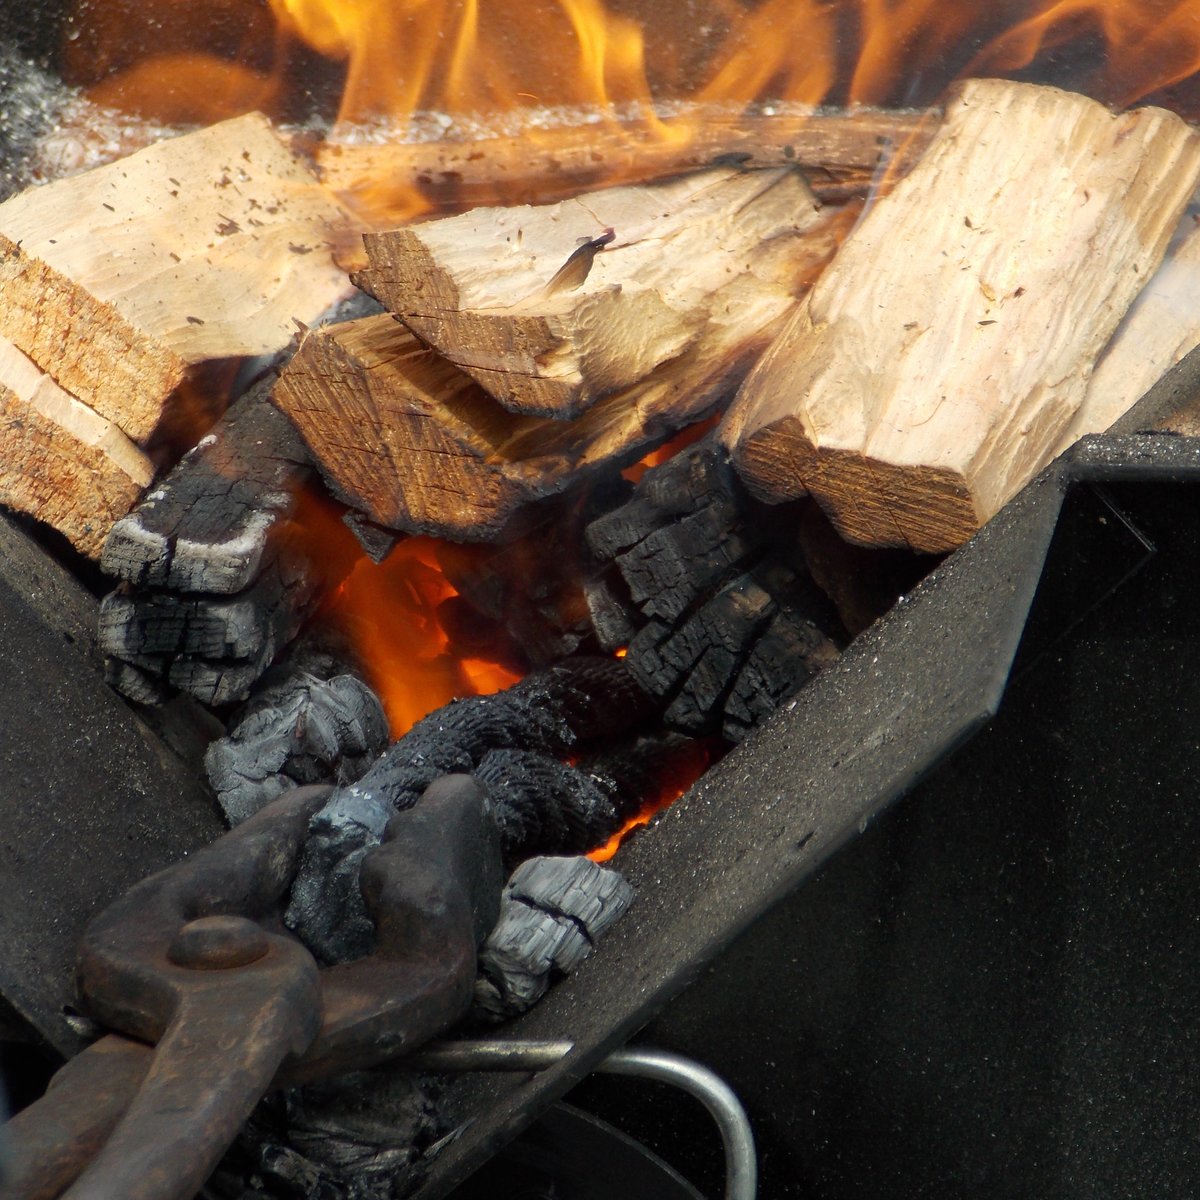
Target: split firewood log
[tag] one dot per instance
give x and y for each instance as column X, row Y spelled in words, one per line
column 59, row 461
column 1161, row 326
column 840, row 153
column 208, row 246
column 552, row 308
column 936, row 365
column 402, row 435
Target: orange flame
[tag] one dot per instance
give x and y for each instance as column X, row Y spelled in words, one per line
column 416, row 69
column 391, row 612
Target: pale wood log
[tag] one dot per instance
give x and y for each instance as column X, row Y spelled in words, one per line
column 933, row 369
column 551, row 308
column 840, row 152
column 1161, row 326
column 59, row 461
column 206, row 246
column 402, row 435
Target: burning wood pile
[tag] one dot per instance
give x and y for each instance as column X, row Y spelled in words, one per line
column 641, row 459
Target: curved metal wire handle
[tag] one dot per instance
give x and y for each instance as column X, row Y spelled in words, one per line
column 741, row 1161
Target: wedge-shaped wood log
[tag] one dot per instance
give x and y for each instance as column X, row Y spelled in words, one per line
column 203, row 247
column 59, row 461
column 554, row 307
column 936, row 365
column 402, row 435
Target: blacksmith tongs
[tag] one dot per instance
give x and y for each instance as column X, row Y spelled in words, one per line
column 196, row 963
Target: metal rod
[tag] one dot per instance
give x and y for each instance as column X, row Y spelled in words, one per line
column 741, row 1161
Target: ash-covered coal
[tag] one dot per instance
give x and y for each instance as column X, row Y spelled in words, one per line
column 552, row 913
column 311, row 722
column 357, row 1137
column 513, row 743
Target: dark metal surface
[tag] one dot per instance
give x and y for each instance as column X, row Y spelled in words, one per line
column 902, row 699
column 91, row 800
column 196, row 960
column 993, row 990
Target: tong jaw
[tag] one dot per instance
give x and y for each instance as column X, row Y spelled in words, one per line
column 196, row 960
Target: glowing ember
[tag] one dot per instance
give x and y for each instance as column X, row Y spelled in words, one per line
column 680, row 772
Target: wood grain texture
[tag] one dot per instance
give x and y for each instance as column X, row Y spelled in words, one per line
column 936, row 365
column 840, row 152
column 402, row 435
column 552, row 308
column 210, row 245
column 59, row 461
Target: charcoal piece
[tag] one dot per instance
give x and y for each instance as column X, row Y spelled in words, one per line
column 692, row 572
column 610, row 610
column 302, row 729
column 207, row 526
column 356, row 1137
column 761, row 685
column 707, row 653
column 326, row 909
column 544, row 806
column 454, row 738
column 134, row 683
column 682, row 485
column 667, row 569
column 633, row 771
column 553, row 912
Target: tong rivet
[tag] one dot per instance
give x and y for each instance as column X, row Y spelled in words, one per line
column 218, row 943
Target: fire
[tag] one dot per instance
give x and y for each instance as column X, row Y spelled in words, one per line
column 680, row 770
column 393, row 614
column 393, row 59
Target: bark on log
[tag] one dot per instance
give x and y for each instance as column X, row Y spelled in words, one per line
column 840, row 153
column 935, row 366
column 208, row 524
column 551, row 308
column 206, row 246
column 61, row 462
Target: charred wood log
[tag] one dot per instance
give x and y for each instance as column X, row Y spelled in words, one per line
column 207, row 525
column 711, row 595
column 553, row 911
column 213, row 647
